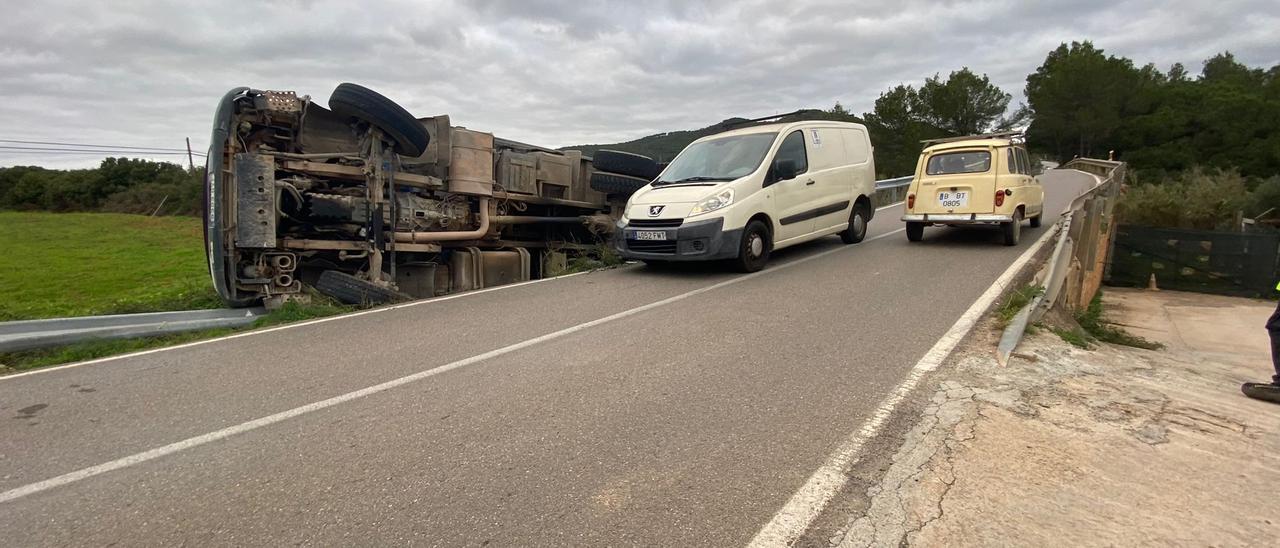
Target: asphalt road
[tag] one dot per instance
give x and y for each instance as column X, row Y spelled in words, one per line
column 670, row 418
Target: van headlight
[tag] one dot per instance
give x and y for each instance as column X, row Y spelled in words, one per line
column 716, row 201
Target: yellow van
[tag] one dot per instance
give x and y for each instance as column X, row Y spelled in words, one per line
column 975, row 180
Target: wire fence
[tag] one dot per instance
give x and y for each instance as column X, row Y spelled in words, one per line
column 1205, row 261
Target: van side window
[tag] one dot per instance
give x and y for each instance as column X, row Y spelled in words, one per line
column 792, row 148
column 1026, row 161
column 1013, row 161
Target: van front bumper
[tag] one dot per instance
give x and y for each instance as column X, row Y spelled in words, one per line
column 957, row 218
column 696, row 241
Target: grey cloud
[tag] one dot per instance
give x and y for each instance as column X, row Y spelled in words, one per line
column 554, row 72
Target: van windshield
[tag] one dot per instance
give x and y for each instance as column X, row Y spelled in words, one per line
column 969, row 161
column 723, row 159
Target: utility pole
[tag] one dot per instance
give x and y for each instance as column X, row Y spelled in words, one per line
column 190, row 160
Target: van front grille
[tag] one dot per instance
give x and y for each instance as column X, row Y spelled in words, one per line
column 650, row 246
column 656, row 223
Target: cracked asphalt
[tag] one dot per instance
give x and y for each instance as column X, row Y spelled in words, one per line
column 625, row 407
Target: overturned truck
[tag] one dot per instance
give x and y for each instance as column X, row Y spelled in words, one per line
column 368, row 204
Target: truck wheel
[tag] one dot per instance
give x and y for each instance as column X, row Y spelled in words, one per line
column 915, row 231
column 356, row 101
column 349, row 289
column 1036, row 221
column 625, row 163
column 857, row 225
column 612, row 183
column 753, row 251
column 1013, row 229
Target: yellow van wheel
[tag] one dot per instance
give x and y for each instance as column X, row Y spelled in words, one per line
column 1013, row 230
column 915, row 231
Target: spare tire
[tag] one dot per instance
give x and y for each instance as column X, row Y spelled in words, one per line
column 348, row 289
column 402, row 128
column 613, row 183
column 625, row 163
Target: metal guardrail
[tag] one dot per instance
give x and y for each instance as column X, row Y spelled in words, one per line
column 891, row 191
column 30, row 334
column 894, row 183
column 1084, row 222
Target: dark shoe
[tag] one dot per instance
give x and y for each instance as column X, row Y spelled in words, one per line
column 1262, row 391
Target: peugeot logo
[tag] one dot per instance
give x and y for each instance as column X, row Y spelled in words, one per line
column 654, row 211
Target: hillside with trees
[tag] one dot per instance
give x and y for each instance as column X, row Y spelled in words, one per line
column 962, row 104
column 118, row 185
column 1083, row 102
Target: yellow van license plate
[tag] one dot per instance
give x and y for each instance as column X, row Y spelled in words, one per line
column 650, row 235
column 953, row 199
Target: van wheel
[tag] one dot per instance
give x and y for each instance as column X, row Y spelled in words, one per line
column 915, row 231
column 1035, row 221
column 857, row 225
column 1013, row 229
column 753, row 251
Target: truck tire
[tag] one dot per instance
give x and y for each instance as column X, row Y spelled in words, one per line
column 402, row 128
column 613, row 183
column 1037, row 220
column 625, row 163
column 348, row 289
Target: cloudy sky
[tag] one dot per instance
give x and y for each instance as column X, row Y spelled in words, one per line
column 148, row 74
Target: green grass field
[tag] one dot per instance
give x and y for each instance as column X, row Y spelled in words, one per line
column 79, row 264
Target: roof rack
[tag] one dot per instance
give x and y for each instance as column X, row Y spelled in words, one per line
column 764, row 119
column 1011, row 135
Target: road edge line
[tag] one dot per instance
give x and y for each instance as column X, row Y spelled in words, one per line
column 808, row 502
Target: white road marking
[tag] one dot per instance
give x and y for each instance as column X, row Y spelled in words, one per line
column 882, row 208
column 288, row 326
column 794, row 518
column 241, row 428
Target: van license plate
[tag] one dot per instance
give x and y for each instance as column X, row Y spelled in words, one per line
column 953, row 199
column 650, row 235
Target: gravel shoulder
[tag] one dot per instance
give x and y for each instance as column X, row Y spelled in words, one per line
column 1110, row 446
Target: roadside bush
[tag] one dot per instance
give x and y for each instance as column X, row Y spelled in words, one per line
column 1196, row 198
column 118, row 185
column 1265, row 197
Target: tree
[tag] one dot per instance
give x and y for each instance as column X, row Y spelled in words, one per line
column 1077, row 98
column 964, row 104
column 897, row 127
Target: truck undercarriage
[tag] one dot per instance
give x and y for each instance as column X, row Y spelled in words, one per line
column 368, row 204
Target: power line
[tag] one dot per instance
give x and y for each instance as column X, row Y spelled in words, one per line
column 45, row 150
column 23, row 142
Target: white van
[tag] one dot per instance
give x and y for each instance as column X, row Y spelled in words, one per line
column 741, row 194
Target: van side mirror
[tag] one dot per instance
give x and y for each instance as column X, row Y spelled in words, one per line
column 784, row 169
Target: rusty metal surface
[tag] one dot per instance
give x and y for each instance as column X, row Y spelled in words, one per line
column 255, row 201
column 471, row 164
